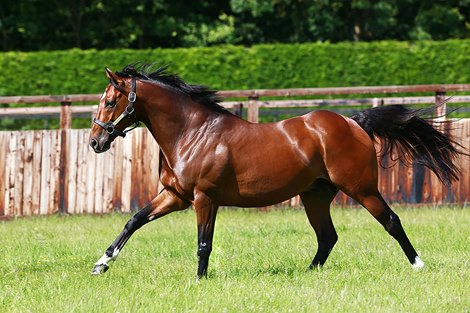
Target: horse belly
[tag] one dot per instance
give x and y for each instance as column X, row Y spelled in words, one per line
column 268, row 183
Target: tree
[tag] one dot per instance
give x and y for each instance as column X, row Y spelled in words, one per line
column 102, row 24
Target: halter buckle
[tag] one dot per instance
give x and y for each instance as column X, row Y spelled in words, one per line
column 132, row 96
column 110, row 129
column 129, row 110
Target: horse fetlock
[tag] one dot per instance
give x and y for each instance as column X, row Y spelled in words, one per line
column 110, row 255
column 101, row 265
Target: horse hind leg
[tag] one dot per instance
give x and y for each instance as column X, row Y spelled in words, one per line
column 317, row 202
column 377, row 206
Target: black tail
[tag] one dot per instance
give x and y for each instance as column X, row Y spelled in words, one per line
column 413, row 138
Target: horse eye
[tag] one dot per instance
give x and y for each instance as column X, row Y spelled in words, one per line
column 110, row 103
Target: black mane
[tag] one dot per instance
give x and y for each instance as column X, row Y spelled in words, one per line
column 198, row 93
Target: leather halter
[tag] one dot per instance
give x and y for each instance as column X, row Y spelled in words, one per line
column 129, row 112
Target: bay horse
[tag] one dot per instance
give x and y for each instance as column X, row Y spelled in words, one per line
column 211, row 157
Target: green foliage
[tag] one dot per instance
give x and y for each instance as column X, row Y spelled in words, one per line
column 258, row 264
column 236, row 67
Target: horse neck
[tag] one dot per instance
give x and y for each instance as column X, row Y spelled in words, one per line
column 171, row 116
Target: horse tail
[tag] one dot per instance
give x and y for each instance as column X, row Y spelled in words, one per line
column 414, row 139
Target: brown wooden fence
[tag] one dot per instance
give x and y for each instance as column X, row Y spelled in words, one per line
column 45, row 172
column 38, row 178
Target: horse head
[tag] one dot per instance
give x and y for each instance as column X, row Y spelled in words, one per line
column 115, row 112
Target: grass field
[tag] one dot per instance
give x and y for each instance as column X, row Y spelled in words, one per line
column 258, row 264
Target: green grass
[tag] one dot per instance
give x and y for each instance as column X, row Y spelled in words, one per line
column 258, row 264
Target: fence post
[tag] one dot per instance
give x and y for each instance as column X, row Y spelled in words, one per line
column 3, row 169
column 65, row 125
column 253, row 110
column 238, row 109
column 65, row 115
column 377, row 102
column 440, row 108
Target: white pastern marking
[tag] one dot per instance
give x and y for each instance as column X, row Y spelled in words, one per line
column 105, row 259
column 418, row 264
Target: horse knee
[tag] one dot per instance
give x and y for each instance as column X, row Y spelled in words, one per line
column 132, row 224
column 139, row 219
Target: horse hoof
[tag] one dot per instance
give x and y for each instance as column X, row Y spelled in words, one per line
column 100, row 269
column 418, row 264
column 315, row 267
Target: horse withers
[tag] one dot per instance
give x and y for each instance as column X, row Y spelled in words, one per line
column 212, row 158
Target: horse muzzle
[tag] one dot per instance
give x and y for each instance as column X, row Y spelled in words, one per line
column 100, row 145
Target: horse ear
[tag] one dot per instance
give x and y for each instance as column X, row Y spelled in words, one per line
column 111, row 75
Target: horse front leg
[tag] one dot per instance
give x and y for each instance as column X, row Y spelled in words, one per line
column 166, row 202
column 206, row 212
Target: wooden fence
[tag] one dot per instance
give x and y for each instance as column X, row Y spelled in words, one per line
column 39, row 178
column 45, row 172
column 34, row 181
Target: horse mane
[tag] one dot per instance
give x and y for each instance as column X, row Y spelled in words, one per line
column 198, row 93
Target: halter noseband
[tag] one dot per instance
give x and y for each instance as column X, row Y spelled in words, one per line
column 129, row 112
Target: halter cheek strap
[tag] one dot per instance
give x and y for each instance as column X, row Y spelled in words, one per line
column 129, row 112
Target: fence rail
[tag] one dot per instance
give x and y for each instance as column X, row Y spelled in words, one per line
column 45, row 172
column 253, row 100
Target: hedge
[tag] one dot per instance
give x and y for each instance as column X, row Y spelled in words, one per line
column 235, row 67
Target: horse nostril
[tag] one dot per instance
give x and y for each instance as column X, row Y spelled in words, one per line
column 94, row 143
